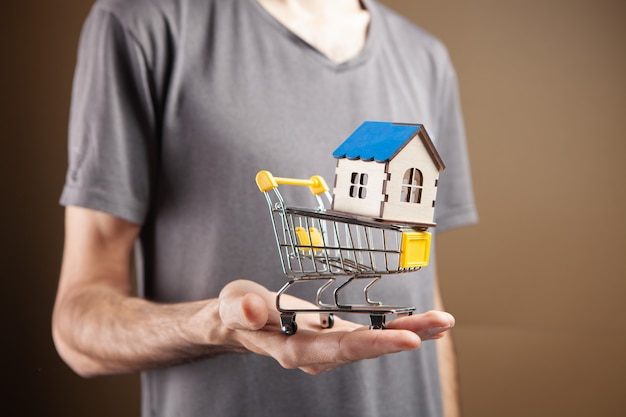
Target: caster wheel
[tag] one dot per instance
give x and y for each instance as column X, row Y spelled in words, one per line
column 288, row 324
column 289, row 329
column 327, row 320
column 378, row 321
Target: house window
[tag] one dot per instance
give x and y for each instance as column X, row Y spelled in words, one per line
column 358, row 185
column 412, row 186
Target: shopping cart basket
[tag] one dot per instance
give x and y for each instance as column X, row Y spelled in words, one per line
column 319, row 244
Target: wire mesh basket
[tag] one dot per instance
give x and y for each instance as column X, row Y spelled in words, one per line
column 319, row 244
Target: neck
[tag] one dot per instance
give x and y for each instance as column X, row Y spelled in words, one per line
column 336, row 28
column 321, row 7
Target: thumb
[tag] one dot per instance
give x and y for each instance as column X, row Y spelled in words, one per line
column 243, row 312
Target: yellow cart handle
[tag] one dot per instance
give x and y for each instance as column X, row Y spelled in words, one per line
column 266, row 182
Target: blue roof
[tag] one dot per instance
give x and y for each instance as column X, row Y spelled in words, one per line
column 376, row 141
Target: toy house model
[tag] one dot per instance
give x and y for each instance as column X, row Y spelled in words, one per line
column 388, row 171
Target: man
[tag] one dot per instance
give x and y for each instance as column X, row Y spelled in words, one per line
column 176, row 105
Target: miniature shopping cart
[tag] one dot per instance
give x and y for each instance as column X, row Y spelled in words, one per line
column 319, row 244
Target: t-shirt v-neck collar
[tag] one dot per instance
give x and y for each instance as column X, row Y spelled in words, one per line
column 315, row 53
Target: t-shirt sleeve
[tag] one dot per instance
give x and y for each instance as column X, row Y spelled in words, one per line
column 112, row 129
column 455, row 198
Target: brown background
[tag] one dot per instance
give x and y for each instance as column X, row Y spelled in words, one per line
column 538, row 288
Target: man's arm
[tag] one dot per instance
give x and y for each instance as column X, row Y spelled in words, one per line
column 100, row 328
column 447, row 369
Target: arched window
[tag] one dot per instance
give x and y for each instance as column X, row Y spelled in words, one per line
column 358, row 183
column 412, row 186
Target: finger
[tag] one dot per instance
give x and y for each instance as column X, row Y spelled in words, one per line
column 360, row 345
column 314, row 352
column 243, row 311
column 430, row 325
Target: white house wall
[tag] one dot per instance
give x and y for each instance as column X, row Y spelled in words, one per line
column 370, row 206
column 413, row 155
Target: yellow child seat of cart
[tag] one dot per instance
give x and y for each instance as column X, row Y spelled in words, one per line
column 415, row 249
column 311, row 238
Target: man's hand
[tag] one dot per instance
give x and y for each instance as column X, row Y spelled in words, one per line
column 248, row 311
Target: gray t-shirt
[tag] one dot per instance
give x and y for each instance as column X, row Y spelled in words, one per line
column 177, row 104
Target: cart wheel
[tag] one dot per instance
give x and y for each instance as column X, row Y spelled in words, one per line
column 378, row 321
column 327, row 320
column 288, row 324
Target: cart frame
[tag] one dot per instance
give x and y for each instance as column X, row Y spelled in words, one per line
column 318, row 244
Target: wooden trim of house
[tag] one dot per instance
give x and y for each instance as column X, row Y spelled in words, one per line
column 384, row 198
column 428, row 144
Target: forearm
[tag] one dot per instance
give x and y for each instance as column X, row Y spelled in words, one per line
column 449, row 377
column 448, row 370
column 99, row 330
